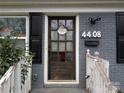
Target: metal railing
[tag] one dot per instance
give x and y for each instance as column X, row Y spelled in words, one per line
column 11, row 81
column 97, row 71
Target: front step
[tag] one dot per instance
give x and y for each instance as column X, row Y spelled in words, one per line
column 59, row 90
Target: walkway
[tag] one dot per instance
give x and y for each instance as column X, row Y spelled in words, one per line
column 59, row 90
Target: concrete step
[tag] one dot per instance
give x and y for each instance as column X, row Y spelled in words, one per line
column 59, row 90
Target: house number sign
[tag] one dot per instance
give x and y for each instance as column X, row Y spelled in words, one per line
column 90, row 34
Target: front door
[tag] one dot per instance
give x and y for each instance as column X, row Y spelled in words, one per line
column 61, row 48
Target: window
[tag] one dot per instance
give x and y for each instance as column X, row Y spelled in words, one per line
column 120, row 37
column 17, row 27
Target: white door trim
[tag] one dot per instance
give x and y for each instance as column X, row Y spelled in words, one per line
column 46, row 54
column 46, row 50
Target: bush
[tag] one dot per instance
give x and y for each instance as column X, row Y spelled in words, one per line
column 9, row 53
column 119, row 91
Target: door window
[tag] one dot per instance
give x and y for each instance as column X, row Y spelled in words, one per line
column 61, row 48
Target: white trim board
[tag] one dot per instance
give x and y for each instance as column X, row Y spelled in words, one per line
column 32, row 2
column 53, row 10
column 46, row 50
column 46, row 54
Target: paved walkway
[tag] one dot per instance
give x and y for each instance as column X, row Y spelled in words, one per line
column 59, row 90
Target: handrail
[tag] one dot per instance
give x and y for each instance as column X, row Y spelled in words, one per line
column 103, row 74
column 6, row 76
column 98, row 71
column 11, row 80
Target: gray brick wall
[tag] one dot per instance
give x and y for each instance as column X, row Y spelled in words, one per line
column 107, row 49
column 37, row 69
column 107, row 46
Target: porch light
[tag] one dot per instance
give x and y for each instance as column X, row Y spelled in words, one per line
column 93, row 20
column 62, row 30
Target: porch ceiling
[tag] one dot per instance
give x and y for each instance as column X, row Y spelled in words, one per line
column 29, row 2
column 38, row 4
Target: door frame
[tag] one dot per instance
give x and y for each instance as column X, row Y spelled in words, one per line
column 76, row 81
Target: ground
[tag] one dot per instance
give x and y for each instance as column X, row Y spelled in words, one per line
column 58, row 90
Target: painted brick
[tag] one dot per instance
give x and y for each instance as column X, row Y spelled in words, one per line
column 107, row 48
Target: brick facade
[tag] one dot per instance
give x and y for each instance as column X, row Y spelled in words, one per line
column 106, row 47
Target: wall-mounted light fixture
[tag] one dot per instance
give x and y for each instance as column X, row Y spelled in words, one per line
column 93, row 20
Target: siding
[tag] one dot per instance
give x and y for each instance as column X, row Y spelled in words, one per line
column 107, row 46
column 107, row 49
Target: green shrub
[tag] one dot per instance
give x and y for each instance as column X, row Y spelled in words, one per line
column 9, row 53
column 119, row 91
